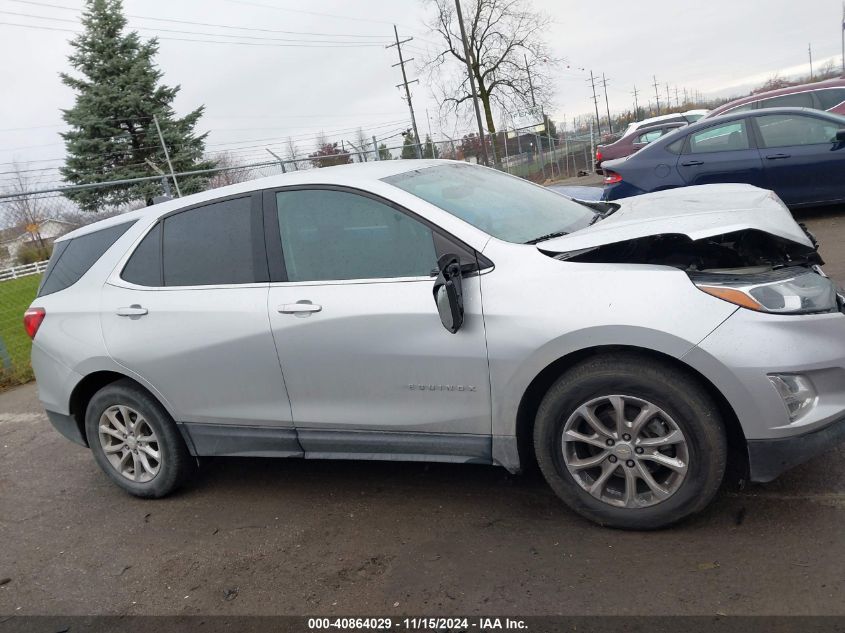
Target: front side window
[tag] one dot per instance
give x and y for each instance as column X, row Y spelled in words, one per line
column 332, row 235
column 796, row 100
column 720, row 138
column 506, row 207
column 784, row 130
column 209, row 245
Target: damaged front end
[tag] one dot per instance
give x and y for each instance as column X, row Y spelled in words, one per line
column 750, row 268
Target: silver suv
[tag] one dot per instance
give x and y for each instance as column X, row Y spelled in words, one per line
column 440, row 311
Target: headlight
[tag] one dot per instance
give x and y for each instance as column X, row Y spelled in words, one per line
column 786, row 291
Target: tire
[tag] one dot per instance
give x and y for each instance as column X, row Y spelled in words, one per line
column 129, row 459
column 670, row 401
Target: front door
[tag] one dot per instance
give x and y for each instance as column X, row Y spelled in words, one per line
column 804, row 162
column 721, row 153
column 368, row 365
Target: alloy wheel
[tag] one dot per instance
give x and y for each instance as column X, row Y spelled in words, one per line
column 625, row 451
column 129, row 443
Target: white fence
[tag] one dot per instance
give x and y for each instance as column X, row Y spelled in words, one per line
column 23, row 271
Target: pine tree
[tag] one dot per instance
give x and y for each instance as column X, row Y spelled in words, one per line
column 113, row 133
column 430, row 150
column 384, row 152
column 409, row 149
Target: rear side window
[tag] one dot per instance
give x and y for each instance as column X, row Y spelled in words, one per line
column 797, row 100
column 720, row 138
column 73, row 258
column 831, row 97
column 209, row 245
column 144, row 266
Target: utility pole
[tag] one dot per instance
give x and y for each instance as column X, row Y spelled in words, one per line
column 843, row 37
column 686, row 99
column 810, row 51
column 606, row 102
column 167, row 157
column 472, row 82
column 405, row 83
column 636, row 103
column 668, row 100
column 595, row 102
column 677, row 99
column 656, row 94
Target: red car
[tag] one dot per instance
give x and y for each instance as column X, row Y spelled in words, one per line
column 633, row 141
column 823, row 95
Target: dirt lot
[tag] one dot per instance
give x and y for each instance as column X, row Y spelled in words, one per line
column 307, row 537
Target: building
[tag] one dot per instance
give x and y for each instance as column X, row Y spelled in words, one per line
column 14, row 239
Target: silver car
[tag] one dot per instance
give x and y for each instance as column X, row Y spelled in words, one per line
column 440, row 311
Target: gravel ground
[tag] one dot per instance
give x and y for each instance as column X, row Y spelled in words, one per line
column 309, row 537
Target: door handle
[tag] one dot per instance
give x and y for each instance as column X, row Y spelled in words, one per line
column 132, row 311
column 692, row 163
column 777, row 156
column 303, row 308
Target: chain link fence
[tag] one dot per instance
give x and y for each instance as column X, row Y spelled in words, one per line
column 31, row 220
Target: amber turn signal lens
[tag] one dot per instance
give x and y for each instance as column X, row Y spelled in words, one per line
column 732, row 295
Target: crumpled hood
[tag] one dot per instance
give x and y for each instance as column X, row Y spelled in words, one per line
column 698, row 212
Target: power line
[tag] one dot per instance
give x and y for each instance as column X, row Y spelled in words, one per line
column 221, row 26
column 163, row 30
column 184, row 39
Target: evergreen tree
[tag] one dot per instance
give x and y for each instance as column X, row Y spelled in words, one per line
column 113, row 133
column 409, row 149
column 430, row 150
column 384, row 152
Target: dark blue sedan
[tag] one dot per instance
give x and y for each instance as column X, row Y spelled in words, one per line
column 797, row 152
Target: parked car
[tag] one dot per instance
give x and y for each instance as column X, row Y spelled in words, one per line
column 690, row 116
column 796, row 152
column 633, row 141
column 441, row 311
column 826, row 95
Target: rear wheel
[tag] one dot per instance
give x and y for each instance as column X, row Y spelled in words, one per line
column 630, row 442
column 135, row 442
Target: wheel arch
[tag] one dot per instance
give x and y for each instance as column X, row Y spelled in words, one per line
column 537, row 388
column 85, row 389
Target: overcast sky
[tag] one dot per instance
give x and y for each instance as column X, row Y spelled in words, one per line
column 259, row 94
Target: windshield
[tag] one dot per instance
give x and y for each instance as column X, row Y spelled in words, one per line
column 506, row 207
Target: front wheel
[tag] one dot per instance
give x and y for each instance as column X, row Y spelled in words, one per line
column 630, row 442
column 135, row 442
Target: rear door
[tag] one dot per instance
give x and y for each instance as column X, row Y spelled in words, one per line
column 804, row 163
column 722, row 152
column 369, row 367
column 188, row 314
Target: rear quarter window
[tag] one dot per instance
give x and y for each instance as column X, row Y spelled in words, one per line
column 71, row 259
column 830, row 97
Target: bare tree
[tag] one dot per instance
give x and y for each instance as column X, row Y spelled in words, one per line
column 231, row 173
column 363, row 144
column 510, row 61
column 24, row 211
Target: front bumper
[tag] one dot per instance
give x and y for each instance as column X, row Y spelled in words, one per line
column 769, row 458
column 739, row 355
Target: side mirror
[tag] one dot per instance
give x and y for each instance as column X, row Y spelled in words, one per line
column 448, row 292
column 840, row 135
